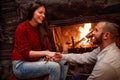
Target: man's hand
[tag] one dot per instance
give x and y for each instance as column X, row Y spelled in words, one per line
column 53, row 56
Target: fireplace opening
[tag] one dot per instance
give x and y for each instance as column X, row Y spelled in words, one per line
column 74, row 38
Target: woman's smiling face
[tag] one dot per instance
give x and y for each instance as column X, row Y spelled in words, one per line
column 39, row 15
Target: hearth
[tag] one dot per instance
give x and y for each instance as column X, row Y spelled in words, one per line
column 74, row 38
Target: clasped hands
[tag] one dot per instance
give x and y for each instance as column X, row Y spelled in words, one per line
column 53, row 56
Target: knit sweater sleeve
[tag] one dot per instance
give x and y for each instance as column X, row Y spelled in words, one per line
column 21, row 41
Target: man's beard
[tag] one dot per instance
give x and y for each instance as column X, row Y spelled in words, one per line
column 98, row 40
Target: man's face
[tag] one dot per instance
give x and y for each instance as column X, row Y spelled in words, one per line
column 98, row 34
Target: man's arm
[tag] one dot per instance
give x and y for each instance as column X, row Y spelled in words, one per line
column 88, row 57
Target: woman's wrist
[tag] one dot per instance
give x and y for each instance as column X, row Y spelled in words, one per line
column 46, row 53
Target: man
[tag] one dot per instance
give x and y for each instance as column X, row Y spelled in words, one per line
column 106, row 57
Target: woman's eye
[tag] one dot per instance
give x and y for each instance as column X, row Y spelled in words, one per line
column 40, row 12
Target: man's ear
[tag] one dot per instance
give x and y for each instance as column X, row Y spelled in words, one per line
column 106, row 35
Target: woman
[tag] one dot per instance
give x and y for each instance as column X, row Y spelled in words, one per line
column 32, row 45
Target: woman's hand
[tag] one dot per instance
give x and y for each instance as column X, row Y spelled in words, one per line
column 57, row 57
column 50, row 54
column 54, row 56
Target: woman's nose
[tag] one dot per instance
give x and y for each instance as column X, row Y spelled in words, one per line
column 43, row 15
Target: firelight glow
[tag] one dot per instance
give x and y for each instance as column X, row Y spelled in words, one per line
column 83, row 32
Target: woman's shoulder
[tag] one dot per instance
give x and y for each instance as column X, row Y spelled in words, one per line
column 22, row 26
column 24, row 23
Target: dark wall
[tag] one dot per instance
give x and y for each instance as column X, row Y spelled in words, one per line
column 62, row 12
column 8, row 21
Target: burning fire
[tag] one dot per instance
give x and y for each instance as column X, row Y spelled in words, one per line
column 84, row 31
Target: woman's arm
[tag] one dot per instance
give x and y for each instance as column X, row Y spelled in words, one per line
column 41, row 53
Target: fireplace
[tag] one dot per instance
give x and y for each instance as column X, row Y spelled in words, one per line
column 74, row 38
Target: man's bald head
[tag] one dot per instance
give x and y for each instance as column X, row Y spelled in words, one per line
column 112, row 28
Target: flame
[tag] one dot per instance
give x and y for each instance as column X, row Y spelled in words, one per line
column 83, row 32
